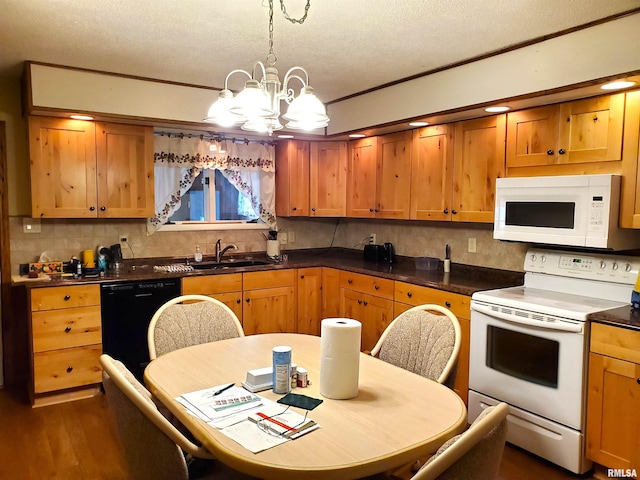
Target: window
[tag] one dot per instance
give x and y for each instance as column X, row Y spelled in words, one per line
column 213, row 198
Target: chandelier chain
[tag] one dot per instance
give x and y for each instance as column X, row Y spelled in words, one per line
column 295, row 20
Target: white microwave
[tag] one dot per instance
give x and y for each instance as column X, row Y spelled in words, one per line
column 571, row 210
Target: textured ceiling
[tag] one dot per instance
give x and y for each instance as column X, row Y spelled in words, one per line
column 347, row 46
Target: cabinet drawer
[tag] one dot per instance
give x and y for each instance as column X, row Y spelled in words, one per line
column 617, row 342
column 68, row 368
column 65, row 328
column 206, row 285
column 273, row 278
column 416, row 295
column 380, row 287
column 52, row 298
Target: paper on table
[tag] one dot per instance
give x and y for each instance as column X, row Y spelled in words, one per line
column 211, row 407
column 247, row 434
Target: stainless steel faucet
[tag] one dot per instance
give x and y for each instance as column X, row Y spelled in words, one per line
column 220, row 253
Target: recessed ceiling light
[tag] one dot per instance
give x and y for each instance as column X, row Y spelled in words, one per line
column 496, row 109
column 357, row 135
column 81, row 117
column 418, row 124
column 285, row 136
column 617, row 85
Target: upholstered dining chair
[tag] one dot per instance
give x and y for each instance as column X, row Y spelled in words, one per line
column 154, row 449
column 178, row 325
column 424, row 340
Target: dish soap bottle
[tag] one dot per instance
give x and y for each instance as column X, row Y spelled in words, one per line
column 198, row 255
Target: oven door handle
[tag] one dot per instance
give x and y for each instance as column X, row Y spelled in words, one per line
column 562, row 326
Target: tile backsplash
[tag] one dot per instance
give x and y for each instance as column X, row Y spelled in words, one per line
column 64, row 238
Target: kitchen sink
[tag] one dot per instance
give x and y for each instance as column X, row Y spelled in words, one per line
column 227, row 264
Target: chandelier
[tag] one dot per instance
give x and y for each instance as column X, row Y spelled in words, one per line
column 257, row 106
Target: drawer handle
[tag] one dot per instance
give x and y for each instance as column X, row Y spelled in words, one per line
column 376, row 287
column 447, row 304
column 349, row 281
column 67, row 330
column 67, row 298
column 409, row 294
column 69, row 369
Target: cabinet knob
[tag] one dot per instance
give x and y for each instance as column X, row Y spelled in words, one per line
column 446, row 210
column 376, row 287
column 67, row 298
column 371, row 210
column 238, row 301
column 103, row 208
column 376, row 210
column 313, row 209
column 301, row 276
column 447, row 304
column 638, row 381
column 92, row 208
column 248, row 299
column 359, row 302
column 453, row 212
column 349, row 281
column 550, row 152
column 295, row 208
column 365, row 303
column 409, row 294
column 69, row 369
column 67, row 330
column 562, row 151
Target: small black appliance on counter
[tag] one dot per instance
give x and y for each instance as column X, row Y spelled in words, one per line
column 379, row 253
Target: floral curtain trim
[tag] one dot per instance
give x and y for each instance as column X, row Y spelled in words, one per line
column 179, row 160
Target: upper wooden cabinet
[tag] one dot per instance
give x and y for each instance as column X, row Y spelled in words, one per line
column 630, row 191
column 583, row 131
column 378, row 176
column 292, row 178
column 361, row 177
column 432, row 173
column 478, row 160
column 311, row 179
column 83, row 169
column 328, row 179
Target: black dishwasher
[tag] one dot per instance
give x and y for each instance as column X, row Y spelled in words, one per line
column 127, row 309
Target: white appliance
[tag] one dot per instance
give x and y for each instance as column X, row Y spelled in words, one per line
column 571, row 210
column 529, row 348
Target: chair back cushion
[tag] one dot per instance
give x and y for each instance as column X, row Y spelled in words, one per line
column 184, row 325
column 149, row 453
column 421, row 342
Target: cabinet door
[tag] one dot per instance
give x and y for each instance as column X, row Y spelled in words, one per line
column 591, row 130
column 432, row 173
column 292, row 178
column 330, row 292
column 478, row 159
column 125, row 171
column 361, row 178
column 613, row 419
column 394, row 175
column 233, row 300
column 269, row 310
column 328, row 179
column 309, row 300
column 378, row 314
column 352, row 306
column 630, row 189
column 63, row 168
column 532, row 137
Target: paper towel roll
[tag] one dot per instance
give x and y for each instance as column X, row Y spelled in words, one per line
column 339, row 358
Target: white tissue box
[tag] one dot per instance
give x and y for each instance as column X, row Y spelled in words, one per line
column 261, row 378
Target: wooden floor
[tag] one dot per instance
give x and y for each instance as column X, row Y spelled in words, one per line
column 75, row 441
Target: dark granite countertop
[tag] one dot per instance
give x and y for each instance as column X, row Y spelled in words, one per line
column 463, row 279
column 625, row 317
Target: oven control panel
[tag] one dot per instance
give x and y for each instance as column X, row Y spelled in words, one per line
column 589, row 266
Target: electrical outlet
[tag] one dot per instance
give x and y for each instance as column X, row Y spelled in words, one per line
column 124, row 238
column 472, row 245
column 282, row 236
column 372, row 238
column 292, row 237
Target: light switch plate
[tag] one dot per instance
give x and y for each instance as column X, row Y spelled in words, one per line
column 31, row 225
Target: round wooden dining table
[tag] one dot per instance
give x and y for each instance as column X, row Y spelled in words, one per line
column 397, row 417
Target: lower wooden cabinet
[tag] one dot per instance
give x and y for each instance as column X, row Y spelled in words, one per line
column 66, row 343
column 309, row 300
column 226, row 288
column 408, row 295
column 613, row 399
column 269, row 302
